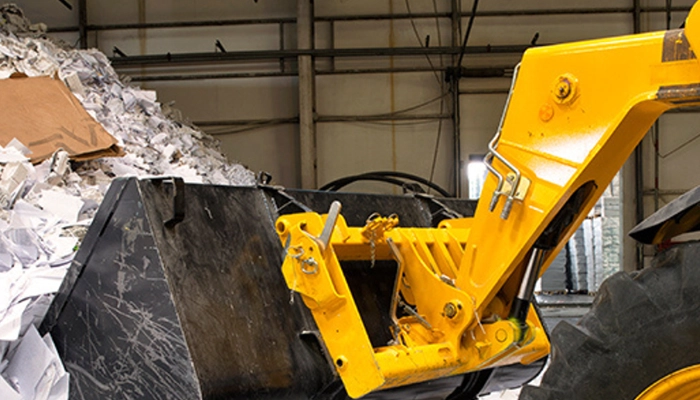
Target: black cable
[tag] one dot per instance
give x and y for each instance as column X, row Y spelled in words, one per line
column 384, row 176
column 66, row 4
column 117, row 51
column 442, row 102
column 420, row 42
column 404, row 110
column 687, row 142
column 218, row 45
column 341, row 183
column 437, row 145
column 415, row 178
column 466, row 34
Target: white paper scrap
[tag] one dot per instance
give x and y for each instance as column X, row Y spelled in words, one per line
column 19, row 146
column 10, row 154
column 43, row 280
column 7, row 392
column 62, row 205
column 27, row 215
column 60, row 390
column 63, row 249
column 11, row 323
column 35, row 367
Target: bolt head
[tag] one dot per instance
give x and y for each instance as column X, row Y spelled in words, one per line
column 450, row 310
column 563, row 88
column 501, row 335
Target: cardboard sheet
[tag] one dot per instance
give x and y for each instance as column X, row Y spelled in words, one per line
column 43, row 114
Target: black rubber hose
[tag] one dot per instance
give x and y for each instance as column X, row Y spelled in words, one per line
column 340, row 183
column 415, row 178
column 382, row 176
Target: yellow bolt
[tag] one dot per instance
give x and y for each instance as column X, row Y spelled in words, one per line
column 501, row 335
column 563, row 89
column 450, row 310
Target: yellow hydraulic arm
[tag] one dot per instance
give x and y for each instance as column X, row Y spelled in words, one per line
column 574, row 114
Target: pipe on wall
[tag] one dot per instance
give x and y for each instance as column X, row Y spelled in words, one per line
column 307, row 125
column 229, row 56
column 456, row 25
column 369, row 17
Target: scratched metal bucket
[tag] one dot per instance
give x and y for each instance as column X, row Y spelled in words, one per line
column 177, row 293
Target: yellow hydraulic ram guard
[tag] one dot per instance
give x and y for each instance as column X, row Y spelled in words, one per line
column 574, row 115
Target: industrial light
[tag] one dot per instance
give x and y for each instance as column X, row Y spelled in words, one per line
column 476, row 174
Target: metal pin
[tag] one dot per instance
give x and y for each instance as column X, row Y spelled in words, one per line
column 331, row 219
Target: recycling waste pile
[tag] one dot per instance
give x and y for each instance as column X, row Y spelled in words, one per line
column 46, row 206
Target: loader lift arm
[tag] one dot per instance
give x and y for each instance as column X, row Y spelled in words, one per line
column 574, row 115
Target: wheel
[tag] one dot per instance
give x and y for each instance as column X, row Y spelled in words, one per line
column 643, row 327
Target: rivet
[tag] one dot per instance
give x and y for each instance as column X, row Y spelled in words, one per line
column 546, row 112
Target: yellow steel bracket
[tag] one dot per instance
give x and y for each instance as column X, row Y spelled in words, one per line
column 311, row 268
column 520, row 191
column 437, row 331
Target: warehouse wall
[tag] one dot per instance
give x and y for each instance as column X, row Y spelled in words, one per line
column 346, row 148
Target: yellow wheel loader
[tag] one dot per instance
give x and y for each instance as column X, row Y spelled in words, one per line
column 208, row 292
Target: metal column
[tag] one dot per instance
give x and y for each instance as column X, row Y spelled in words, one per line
column 82, row 23
column 307, row 127
column 638, row 155
column 454, row 88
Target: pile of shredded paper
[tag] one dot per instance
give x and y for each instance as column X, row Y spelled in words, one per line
column 46, row 208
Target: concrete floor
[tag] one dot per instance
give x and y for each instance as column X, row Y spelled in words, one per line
column 511, row 394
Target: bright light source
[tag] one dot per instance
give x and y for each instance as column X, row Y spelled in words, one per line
column 476, row 174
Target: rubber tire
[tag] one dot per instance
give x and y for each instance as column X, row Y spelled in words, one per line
column 642, row 327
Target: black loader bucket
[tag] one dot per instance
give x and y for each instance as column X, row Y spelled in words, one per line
column 176, row 293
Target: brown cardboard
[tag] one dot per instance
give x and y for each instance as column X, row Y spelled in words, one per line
column 43, row 114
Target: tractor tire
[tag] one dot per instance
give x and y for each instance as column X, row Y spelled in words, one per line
column 642, row 327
